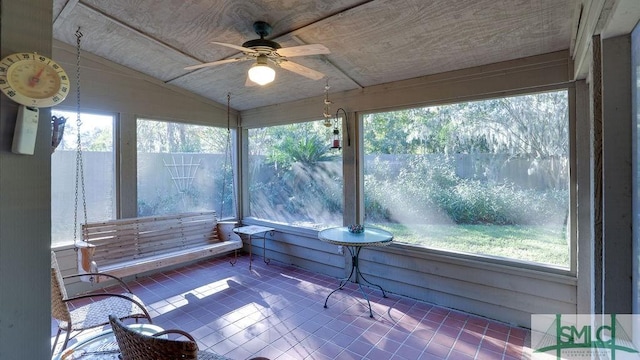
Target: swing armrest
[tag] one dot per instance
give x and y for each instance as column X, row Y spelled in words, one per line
column 225, row 231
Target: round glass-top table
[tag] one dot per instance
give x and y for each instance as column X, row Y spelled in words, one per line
column 369, row 237
column 354, row 242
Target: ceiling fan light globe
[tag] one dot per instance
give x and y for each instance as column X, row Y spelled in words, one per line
column 261, row 74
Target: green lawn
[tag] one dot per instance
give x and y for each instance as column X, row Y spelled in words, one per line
column 530, row 243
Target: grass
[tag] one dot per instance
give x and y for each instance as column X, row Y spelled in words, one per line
column 529, row 243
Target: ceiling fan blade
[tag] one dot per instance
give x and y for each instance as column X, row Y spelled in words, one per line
column 301, row 70
column 237, row 47
column 303, row 50
column 214, row 63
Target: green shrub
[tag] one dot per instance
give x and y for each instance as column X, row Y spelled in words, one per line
column 430, row 192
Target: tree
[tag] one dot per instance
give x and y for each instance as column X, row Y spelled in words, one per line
column 170, row 137
column 532, row 125
column 96, row 132
column 292, row 176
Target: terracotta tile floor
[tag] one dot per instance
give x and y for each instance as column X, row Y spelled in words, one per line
column 276, row 311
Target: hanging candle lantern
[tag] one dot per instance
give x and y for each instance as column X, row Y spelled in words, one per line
column 335, row 143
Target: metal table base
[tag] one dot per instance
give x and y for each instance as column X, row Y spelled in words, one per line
column 257, row 232
column 355, row 269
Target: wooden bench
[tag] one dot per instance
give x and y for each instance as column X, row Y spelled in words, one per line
column 125, row 247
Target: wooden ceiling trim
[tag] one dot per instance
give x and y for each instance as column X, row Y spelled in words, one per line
column 137, row 31
column 64, row 13
column 326, row 60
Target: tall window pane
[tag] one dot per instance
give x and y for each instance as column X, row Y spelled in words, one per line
column 295, row 177
column 486, row 177
column 99, row 176
column 183, row 168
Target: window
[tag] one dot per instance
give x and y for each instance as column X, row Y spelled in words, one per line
column 485, row 177
column 295, row 177
column 99, row 178
column 183, row 168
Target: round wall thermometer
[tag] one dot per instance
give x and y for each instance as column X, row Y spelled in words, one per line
column 33, row 80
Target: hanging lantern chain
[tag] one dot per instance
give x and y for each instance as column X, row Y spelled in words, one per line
column 327, row 106
column 228, row 113
column 79, row 186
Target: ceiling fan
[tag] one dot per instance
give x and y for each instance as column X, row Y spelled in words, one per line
column 268, row 54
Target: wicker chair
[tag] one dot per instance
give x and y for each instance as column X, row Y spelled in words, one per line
column 136, row 346
column 95, row 313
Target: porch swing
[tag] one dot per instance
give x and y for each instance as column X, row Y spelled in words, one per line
column 125, row 247
column 76, row 314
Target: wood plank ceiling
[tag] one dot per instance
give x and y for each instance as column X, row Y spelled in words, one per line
column 371, row 42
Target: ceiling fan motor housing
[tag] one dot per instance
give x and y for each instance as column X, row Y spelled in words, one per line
column 262, row 29
column 261, row 43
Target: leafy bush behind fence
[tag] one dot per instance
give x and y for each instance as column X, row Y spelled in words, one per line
column 431, row 191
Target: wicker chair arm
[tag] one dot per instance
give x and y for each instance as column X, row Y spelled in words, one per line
column 137, row 303
column 175, row 331
column 122, row 283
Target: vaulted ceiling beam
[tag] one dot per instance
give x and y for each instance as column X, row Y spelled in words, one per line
column 137, row 32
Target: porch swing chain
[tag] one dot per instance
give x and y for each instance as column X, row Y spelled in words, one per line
column 226, row 156
column 79, row 163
